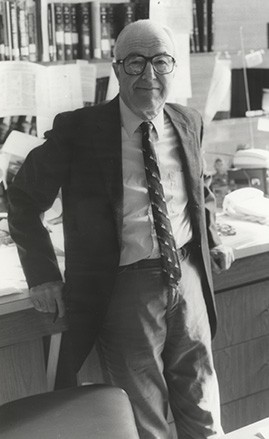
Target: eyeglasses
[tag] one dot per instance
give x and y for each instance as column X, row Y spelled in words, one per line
column 136, row 64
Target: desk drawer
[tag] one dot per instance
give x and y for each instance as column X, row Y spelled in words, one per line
column 243, row 369
column 243, row 314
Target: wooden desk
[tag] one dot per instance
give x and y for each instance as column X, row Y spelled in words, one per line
column 23, row 370
column 241, row 346
column 252, row 431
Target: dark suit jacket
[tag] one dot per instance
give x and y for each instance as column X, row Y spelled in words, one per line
column 82, row 155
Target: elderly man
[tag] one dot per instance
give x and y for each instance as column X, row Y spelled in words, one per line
column 139, row 229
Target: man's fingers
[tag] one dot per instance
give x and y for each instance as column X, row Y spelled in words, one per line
column 61, row 307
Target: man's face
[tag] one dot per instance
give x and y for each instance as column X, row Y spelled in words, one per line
column 145, row 94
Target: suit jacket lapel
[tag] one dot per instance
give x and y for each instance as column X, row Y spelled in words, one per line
column 189, row 153
column 107, row 144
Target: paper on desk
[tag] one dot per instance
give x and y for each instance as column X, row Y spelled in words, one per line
column 264, row 432
column 263, row 124
column 12, row 276
column 20, row 144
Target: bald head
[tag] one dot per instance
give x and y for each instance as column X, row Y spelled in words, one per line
column 145, row 34
column 148, row 45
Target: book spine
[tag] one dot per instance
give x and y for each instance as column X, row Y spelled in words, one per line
column 101, row 89
column 50, row 33
column 96, row 29
column 14, row 31
column 74, row 27
column 32, row 31
column 4, row 128
column 59, row 31
column 25, row 124
column 39, row 31
column 112, row 25
column 210, row 25
column 195, row 27
column 141, row 9
column 205, row 25
column 23, row 30
column 2, row 32
column 105, row 32
column 200, row 23
column 84, row 31
column 128, row 13
column 68, row 54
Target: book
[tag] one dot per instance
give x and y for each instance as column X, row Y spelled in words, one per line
column 68, row 54
column 14, row 30
column 125, row 14
column 32, row 31
column 23, row 30
column 112, row 25
column 74, row 30
column 39, row 34
column 210, row 23
column 195, row 30
column 84, row 20
column 25, row 124
column 59, row 31
column 200, row 24
column 4, row 128
column 51, row 33
column 141, row 9
column 2, row 32
column 95, row 28
column 101, row 89
column 105, row 32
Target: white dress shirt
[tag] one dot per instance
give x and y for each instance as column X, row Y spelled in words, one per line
column 139, row 240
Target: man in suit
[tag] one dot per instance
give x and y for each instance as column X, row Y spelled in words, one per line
column 139, row 231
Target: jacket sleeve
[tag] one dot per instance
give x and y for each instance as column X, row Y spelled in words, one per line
column 210, row 208
column 32, row 192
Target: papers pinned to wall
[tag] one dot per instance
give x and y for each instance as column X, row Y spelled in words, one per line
column 177, row 15
column 43, row 91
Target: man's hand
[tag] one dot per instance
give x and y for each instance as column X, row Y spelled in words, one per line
column 48, row 297
column 222, row 258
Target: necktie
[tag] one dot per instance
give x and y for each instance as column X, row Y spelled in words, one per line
column 169, row 257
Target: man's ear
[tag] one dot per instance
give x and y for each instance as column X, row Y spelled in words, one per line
column 116, row 69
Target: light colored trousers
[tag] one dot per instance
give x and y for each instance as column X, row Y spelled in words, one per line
column 156, row 345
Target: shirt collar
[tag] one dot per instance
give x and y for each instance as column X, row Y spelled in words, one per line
column 131, row 121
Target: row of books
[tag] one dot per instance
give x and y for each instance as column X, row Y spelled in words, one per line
column 83, row 30
column 25, row 124
column 88, row 30
column 20, row 28
column 201, row 38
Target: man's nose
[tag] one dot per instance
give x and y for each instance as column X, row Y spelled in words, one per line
column 149, row 71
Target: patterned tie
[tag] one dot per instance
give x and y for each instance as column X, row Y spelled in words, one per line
column 169, row 257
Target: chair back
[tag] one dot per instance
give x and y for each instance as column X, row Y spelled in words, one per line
column 94, row 411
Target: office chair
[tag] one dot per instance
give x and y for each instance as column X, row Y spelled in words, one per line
column 95, row 411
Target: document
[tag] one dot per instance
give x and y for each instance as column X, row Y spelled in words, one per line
column 177, row 16
column 33, row 89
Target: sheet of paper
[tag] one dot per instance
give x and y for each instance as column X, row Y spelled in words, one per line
column 263, row 124
column 59, row 89
column 181, row 89
column 20, row 144
column 12, row 277
column 88, row 74
column 113, row 85
column 176, row 14
column 18, row 85
column 264, row 431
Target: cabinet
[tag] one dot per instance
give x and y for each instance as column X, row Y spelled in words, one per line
column 241, row 347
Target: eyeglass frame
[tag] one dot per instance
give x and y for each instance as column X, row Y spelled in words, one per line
column 147, row 59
